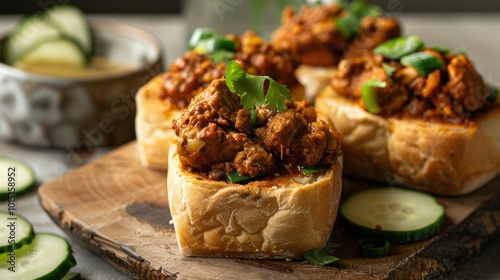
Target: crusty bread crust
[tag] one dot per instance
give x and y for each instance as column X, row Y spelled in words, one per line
column 434, row 157
column 153, row 125
column 275, row 217
column 315, row 77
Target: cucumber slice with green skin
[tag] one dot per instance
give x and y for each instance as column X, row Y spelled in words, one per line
column 71, row 22
column 16, row 232
column 61, row 35
column 23, row 178
column 60, row 51
column 31, row 31
column 47, row 257
column 393, row 214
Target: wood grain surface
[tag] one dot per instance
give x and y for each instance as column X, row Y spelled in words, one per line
column 119, row 209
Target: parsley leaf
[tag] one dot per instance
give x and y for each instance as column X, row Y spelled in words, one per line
column 251, row 89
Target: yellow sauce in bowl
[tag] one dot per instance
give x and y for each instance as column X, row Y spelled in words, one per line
column 98, row 67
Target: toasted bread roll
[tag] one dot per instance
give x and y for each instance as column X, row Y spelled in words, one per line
column 437, row 157
column 277, row 217
column 291, row 162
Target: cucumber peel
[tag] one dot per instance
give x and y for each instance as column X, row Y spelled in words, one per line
column 17, row 236
column 49, row 256
column 24, row 178
column 59, row 35
column 393, row 214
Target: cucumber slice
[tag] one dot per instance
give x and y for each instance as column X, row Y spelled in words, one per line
column 47, row 257
column 31, row 31
column 393, row 214
column 60, row 35
column 16, row 232
column 59, row 51
column 22, row 174
column 71, row 22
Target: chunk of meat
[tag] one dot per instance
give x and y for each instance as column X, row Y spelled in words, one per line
column 373, row 32
column 311, row 34
column 465, row 85
column 353, row 73
column 253, row 160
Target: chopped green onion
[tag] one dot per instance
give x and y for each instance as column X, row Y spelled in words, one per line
column 423, row 62
column 370, row 95
column 348, row 26
column 199, row 34
column 373, row 248
column 399, row 47
column 311, row 170
column 388, row 69
column 237, row 178
column 222, row 56
column 319, row 256
column 439, row 49
column 211, row 45
column 361, row 9
column 493, row 93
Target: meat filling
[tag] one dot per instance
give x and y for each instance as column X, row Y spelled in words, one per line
column 450, row 94
column 192, row 73
column 313, row 35
column 216, row 136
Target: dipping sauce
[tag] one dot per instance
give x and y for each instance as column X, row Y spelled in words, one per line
column 98, row 67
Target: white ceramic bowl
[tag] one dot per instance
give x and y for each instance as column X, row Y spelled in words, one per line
column 80, row 112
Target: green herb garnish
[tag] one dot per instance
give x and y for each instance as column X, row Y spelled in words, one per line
column 214, row 44
column 311, row 170
column 370, row 95
column 440, row 49
column 374, row 248
column 349, row 25
column 319, row 256
column 493, row 93
column 200, row 34
column 388, row 69
column 237, row 178
column 251, row 89
column 222, row 56
column 423, row 62
column 399, row 47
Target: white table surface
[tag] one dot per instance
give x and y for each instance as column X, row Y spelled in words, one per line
column 478, row 32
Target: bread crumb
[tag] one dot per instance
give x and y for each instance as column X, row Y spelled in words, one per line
column 274, row 187
column 288, row 260
column 276, row 174
column 170, row 222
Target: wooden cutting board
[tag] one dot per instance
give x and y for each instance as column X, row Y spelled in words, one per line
column 119, row 209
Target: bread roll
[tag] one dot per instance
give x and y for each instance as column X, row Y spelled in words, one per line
column 276, row 217
column 153, row 124
column 436, row 157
